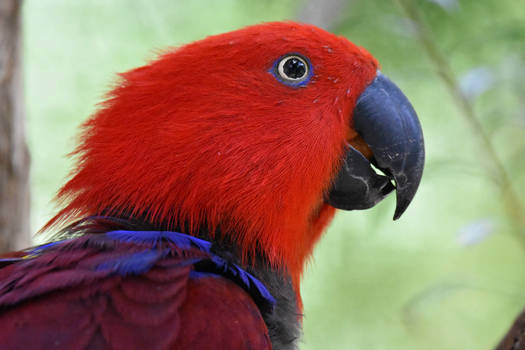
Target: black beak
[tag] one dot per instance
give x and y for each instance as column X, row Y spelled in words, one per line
column 387, row 122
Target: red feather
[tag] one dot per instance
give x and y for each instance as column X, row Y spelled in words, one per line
column 206, row 136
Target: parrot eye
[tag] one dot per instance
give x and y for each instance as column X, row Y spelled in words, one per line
column 293, row 70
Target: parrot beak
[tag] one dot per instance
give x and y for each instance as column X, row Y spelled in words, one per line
column 387, row 123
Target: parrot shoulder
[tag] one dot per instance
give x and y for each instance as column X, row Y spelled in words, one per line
column 110, row 291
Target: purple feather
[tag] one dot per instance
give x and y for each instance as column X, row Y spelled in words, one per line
column 154, row 251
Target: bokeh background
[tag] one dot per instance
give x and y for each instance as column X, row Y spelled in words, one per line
column 451, row 273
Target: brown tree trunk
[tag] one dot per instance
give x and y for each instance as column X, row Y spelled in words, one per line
column 14, row 157
column 515, row 337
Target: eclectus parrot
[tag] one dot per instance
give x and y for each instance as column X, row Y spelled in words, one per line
column 201, row 186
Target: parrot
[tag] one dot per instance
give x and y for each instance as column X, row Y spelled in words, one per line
column 202, row 183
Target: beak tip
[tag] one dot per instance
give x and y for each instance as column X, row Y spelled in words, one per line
column 406, row 193
column 401, row 207
column 399, row 211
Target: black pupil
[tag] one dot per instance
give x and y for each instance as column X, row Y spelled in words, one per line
column 294, row 68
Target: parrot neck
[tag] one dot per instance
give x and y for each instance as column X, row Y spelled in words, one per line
column 285, row 322
column 285, row 248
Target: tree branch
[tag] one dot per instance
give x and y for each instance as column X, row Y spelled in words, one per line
column 513, row 205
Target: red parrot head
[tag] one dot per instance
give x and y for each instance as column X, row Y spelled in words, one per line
column 259, row 132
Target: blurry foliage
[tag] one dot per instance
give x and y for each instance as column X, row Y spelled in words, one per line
column 449, row 274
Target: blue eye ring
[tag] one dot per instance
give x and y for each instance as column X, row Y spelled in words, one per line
column 294, row 61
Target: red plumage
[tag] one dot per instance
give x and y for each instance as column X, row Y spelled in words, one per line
column 205, row 135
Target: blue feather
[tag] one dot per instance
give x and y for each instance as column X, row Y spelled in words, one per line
column 132, row 264
column 265, row 293
column 244, row 276
column 199, row 274
column 39, row 249
column 153, row 237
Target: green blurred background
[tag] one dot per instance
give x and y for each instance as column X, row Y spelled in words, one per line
column 451, row 273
